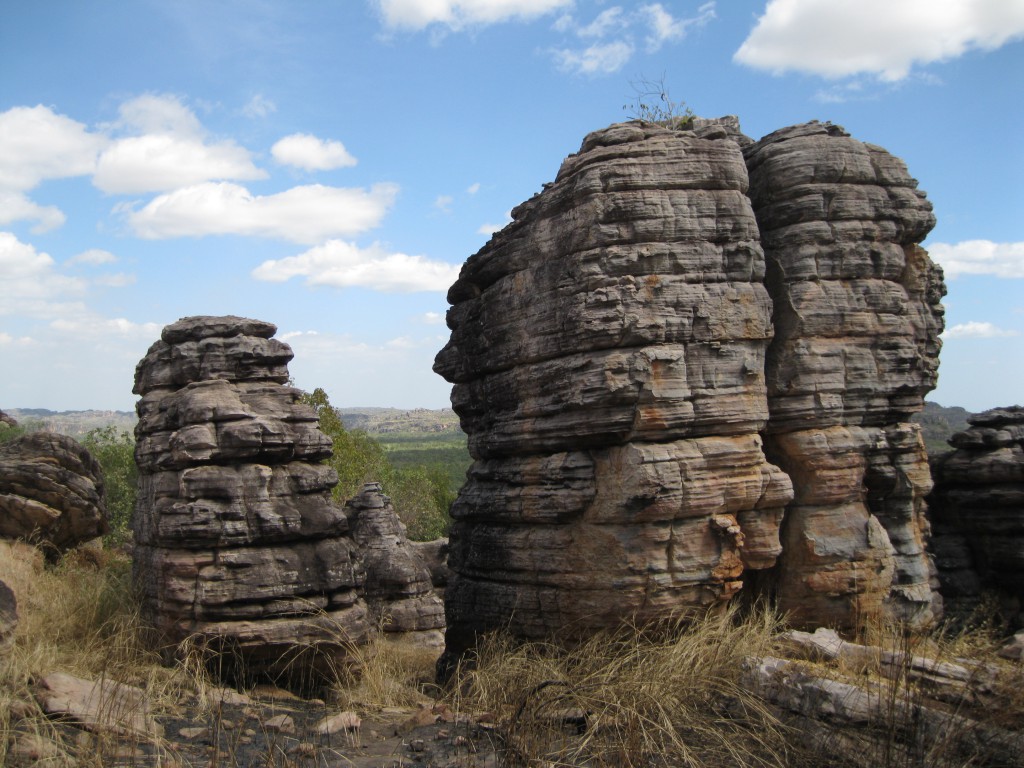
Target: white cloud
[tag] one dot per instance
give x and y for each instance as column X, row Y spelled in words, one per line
column 160, row 162
column 29, row 282
column 14, row 206
column 608, row 20
column 598, row 59
column 490, row 229
column 443, row 203
column 881, row 37
column 665, row 28
column 157, row 113
column 458, row 14
column 37, row 144
column 258, row 106
column 472, row 189
column 7, row 339
column 344, row 265
column 979, row 257
column 977, row 330
column 311, row 154
column 93, row 326
column 307, row 214
column 166, row 149
column 432, row 318
column 94, row 257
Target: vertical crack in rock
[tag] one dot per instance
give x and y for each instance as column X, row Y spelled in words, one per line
column 237, row 542
column 857, row 320
column 607, row 354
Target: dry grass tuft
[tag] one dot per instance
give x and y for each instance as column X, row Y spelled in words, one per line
column 389, row 673
column 635, row 697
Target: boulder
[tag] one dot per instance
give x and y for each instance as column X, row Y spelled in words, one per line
column 398, row 588
column 51, row 492
column 857, row 317
column 238, row 545
column 607, row 353
column 977, row 511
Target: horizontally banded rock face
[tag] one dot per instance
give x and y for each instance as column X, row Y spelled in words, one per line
column 857, row 316
column 977, row 510
column 608, row 352
column 237, row 540
column 51, row 492
column 398, row 588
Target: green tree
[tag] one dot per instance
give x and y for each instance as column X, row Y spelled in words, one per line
column 421, row 495
column 115, row 451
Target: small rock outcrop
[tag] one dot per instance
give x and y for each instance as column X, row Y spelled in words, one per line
column 238, row 543
column 977, row 512
column 607, row 353
column 51, row 492
column 857, row 317
column 398, row 589
column 8, row 420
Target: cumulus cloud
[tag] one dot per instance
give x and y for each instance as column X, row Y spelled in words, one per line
column 878, row 37
column 459, row 14
column 37, row 144
column 443, row 203
column 311, row 154
column 160, row 162
column 169, row 150
column 613, row 29
column 344, row 265
column 979, row 257
column 977, row 330
column 432, row 318
column 490, row 229
column 472, row 189
column 93, row 326
column 15, row 206
column 30, row 284
column 306, row 214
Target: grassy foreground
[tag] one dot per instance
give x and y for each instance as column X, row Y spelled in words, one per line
column 632, row 698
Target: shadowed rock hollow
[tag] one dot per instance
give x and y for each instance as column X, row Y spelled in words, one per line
column 619, row 349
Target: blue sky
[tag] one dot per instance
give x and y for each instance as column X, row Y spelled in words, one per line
column 328, row 166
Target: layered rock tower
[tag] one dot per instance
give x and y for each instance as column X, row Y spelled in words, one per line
column 608, row 356
column 977, row 509
column 857, row 317
column 237, row 541
column 614, row 366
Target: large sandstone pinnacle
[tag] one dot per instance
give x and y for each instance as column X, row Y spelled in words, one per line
column 608, row 356
column 615, row 365
column 238, row 544
column 857, row 317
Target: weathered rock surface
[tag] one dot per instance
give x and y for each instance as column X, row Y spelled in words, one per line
column 103, row 706
column 607, row 352
column 8, row 618
column 434, row 555
column 238, row 543
column 856, row 318
column 398, row 589
column 7, row 419
column 977, row 510
column 51, row 492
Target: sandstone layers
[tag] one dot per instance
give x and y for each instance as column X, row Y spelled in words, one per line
column 398, row 588
column 977, row 509
column 51, row 492
column 608, row 355
column 614, row 366
column 237, row 541
column 857, row 316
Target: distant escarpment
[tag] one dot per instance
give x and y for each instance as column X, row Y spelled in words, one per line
column 649, row 327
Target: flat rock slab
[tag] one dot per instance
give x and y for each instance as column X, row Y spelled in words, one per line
column 103, row 706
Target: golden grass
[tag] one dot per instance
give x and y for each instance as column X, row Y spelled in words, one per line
column 389, row 673
column 634, row 698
